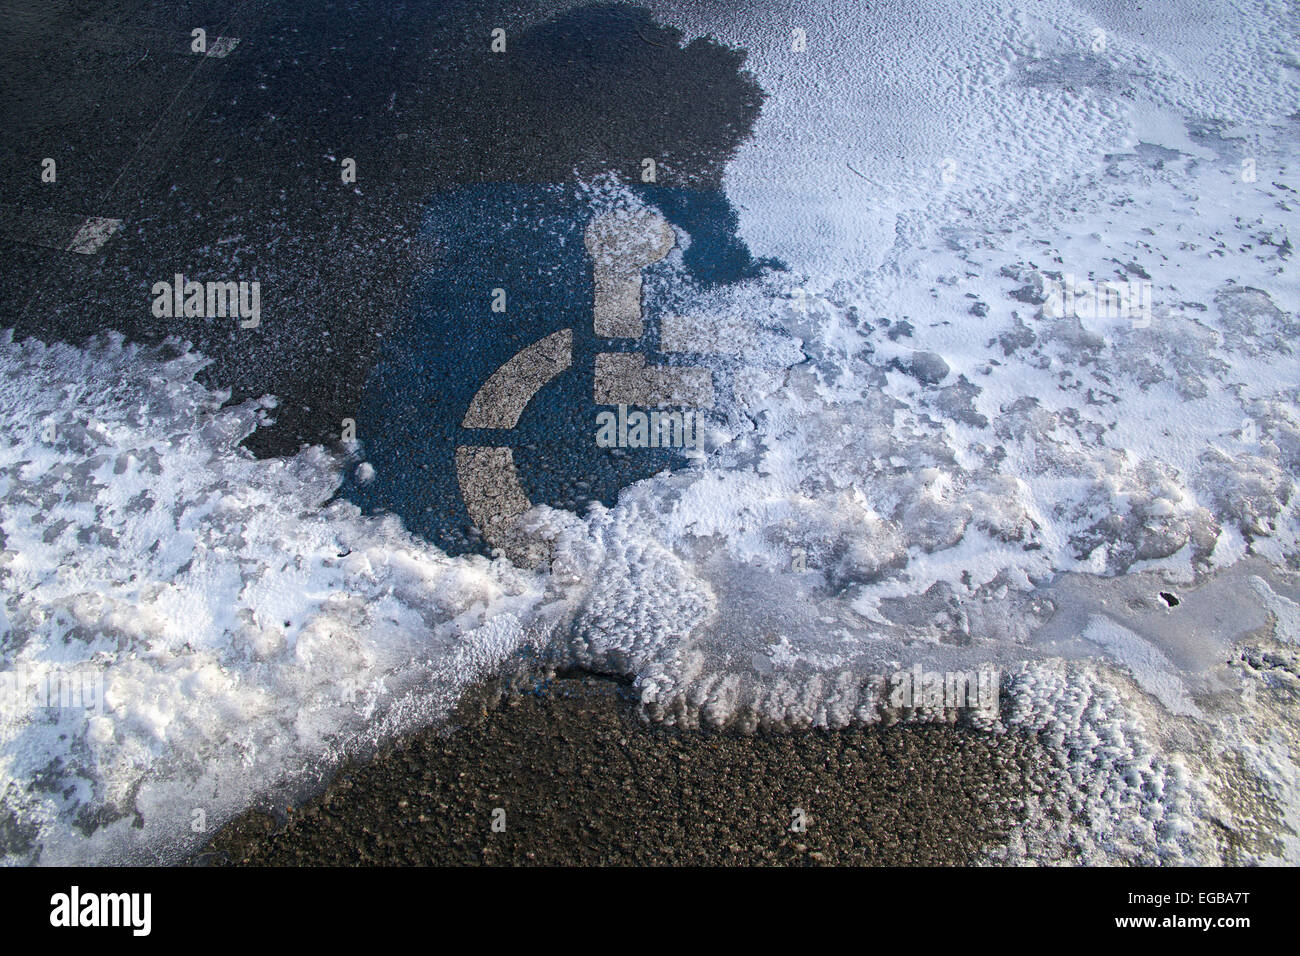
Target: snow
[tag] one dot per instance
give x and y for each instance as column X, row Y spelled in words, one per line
column 245, row 633
column 920, row 465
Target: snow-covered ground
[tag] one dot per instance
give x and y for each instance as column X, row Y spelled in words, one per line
column 934, row 456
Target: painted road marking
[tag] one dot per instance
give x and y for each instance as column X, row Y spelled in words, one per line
column 621, row 244
column 489, row 481
column 221, row 47
column 493, row 494
column 93, row 233
column 623, row 378
column 52, row 230
column 502, row 398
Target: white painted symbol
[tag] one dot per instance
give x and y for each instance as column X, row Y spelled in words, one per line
column 621, row 245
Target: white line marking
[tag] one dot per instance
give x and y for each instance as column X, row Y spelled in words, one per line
column 93, row 233
column 52, row 230
column 494, row 496
column 221, row 47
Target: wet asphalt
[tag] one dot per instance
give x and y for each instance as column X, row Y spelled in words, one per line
column 570, row 774
column 230, row 168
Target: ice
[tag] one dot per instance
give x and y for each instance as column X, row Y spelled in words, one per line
column 923, row 462
column 1151, row 669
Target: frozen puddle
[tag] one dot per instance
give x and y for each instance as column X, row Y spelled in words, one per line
column 1052, row 427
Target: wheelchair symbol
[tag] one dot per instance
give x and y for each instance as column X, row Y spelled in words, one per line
column 620, row 245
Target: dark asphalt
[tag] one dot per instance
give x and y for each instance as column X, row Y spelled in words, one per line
column 581, row 779
column 229, row 168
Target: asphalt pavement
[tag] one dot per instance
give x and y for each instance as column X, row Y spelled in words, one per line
column 231, row 160
column 231, row 167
